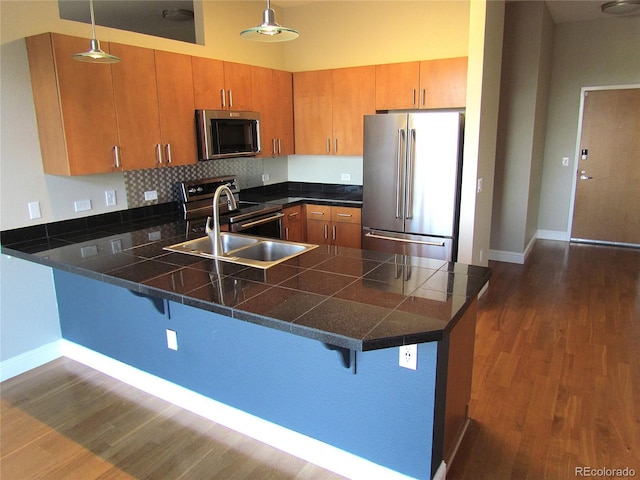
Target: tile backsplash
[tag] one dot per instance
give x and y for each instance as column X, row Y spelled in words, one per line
column 165, row 180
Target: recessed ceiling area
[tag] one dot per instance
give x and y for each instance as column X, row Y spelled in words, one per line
column 142, row 16
column 145, row 16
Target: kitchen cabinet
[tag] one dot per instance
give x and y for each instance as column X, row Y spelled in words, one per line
column 426, row 84
column 272, row 93
column 329, row 106
column 220, row 85
column 75, row 108
column 154, row 103
column 293, row 224
column 340, row 226
column 176, row 107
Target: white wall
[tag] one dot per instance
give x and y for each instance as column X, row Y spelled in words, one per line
column 591, row 53
column 522, row 120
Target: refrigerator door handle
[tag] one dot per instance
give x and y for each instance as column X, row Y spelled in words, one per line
column 411, row 147
column 399, row 157
column 406, row 240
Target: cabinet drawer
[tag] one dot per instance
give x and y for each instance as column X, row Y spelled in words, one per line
column 292, row 214
column 318, row 212
column 345, row 214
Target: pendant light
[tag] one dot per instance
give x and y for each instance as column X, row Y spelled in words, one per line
column 621, row 7
column 95, row 53
column 269, row 30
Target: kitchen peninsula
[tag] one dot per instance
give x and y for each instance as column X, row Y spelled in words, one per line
column 310, row 344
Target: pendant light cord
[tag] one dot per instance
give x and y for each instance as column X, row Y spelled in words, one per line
column 93, row 20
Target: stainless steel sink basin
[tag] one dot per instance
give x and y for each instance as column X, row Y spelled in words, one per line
column 244, row 249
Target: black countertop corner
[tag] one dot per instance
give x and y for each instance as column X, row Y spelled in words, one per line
column 351, row 298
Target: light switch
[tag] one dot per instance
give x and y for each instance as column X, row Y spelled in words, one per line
column 172, row 340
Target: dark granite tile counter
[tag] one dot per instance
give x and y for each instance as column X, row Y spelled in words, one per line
column 361, row 300
column 291, row 193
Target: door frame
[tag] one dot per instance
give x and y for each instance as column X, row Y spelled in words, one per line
column 576, row 153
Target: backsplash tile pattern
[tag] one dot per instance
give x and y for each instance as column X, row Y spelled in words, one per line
column 165, row 180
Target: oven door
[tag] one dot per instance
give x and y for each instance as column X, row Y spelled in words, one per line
column 268, row 225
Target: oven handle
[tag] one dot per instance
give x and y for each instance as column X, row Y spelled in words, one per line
column 261, row 221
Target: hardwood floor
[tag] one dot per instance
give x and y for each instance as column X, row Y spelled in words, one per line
column 556, row 381
column 556, row 385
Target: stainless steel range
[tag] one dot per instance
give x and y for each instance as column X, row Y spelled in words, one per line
column 250, row 217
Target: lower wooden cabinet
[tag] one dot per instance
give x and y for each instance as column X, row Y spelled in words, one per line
column 293, row 224
column 329, row 225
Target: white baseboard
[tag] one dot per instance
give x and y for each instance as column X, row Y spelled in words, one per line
column 26, row 361
column 311, row 450
column 553, row 235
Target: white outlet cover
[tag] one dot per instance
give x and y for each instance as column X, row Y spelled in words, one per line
column 172, row 340
column 408, row 356
column 150, row 195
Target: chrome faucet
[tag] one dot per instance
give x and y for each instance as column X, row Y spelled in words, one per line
column 214, row 233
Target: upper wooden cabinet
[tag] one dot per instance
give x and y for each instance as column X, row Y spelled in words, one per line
column 427, row 84
column 273, row 98
column 75, row 108
column 329, row 106
column 220, row 85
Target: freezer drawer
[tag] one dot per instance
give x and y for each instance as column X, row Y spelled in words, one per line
column 441, row 248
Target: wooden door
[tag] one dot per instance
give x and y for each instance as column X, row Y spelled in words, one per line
column 397, row 85
column 312, row 103
column 208, row 83
column 262, row 93
column 443, row 83
column 237, row 80
column 607, row 200
column 283, row 107
column 74, row 104
column 136, row 97
column 176, row 106
column 353, row 97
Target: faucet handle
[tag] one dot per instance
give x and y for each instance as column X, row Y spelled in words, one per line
column 207, row 226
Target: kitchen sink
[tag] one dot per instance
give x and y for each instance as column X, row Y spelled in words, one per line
column 246, row 250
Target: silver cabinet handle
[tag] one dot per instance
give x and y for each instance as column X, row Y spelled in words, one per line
column 424, row 96
column 413, row 96
column 230, row 99
column 326, row 231
column 584, row 176
column 273, row 145
column 279, row 147
column 116, row 156
column 335, row 146
column 286, row 233
column 328, row 145
column 345, row 215
column 158, row 154
column 167, row 152
column 334, row 232
column 316, row 213
column 223, row 97
column 294, row 214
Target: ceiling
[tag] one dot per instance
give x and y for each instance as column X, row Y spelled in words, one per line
column 145, row 16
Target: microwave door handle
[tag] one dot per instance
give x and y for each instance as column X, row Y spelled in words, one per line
column 204, row 141
column 411, row 148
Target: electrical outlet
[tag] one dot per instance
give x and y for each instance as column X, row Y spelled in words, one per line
column 409, row 356
column 480, row 185
column 172, row 340
column 265, row 177
column 565, row 161
column 110, row 198
column 150, row 195
column 34, row 210
column 345, row 176
column 82, row 205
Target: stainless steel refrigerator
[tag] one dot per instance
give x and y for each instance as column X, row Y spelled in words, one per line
column 412, row 168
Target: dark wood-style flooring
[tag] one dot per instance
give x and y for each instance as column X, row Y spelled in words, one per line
column 556, row 386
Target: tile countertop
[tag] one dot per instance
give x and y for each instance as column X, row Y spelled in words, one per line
column 350, row 298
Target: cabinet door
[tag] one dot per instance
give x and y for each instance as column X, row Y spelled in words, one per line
column 443, row 83
column 312, row 105
column 208, row 83
column 283, row 108
column 176, row 105
column 319, row 227
column 353, row 97
column 136, row 97
column 293, row 224
column 261, row 90
column 237, row 80
column 397, row 85
column 347, row 229
column 75, row 109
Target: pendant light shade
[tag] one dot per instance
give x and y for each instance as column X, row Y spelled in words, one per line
column 621, row 7
column 95, row 54
column 269, row 30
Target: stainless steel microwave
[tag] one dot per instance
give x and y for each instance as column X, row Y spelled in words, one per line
column 225, row 134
